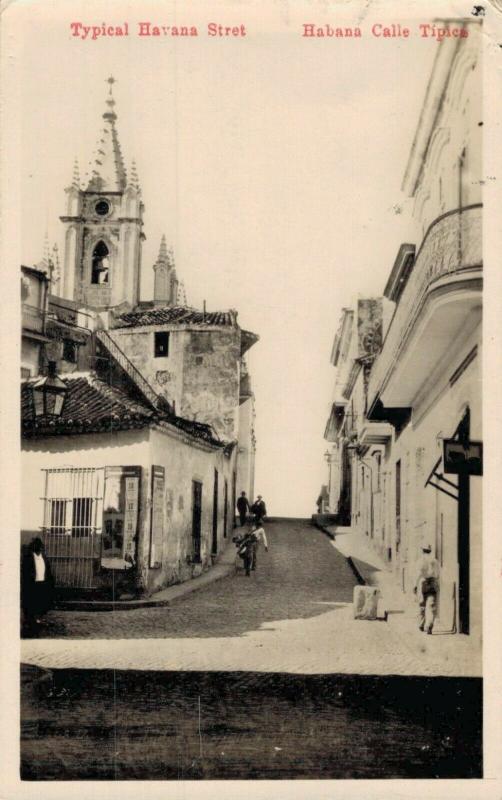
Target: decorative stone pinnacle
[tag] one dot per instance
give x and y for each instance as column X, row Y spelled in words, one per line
column 109, row 172
column 110, row 102
column 46, row 258
column 134, row 181
column 182, row 295
column 163, row 256
column 76, row 175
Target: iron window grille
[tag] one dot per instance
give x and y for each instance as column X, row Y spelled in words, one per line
column 73, row 502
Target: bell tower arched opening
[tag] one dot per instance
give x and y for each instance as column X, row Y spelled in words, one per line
column 100, row 272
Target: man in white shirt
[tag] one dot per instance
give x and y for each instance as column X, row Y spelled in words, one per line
column 427, row 587
column 37, row 584
column 261, row 537
column 39, row 567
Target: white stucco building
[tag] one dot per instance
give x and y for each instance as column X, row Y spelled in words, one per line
column 133, row 484
column 424, row 386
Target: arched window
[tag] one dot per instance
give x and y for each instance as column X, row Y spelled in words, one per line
column 100, row 263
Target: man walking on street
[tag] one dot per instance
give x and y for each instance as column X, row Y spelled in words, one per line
column 426, row 588
column 261, row 536
column 245, row 549
column 259, row 510
column 242, row 508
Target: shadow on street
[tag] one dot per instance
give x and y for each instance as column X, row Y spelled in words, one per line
column 130, row 725
column 302, row 576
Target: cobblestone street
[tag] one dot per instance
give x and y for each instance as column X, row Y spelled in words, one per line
column 267, row 676
column 294, row 614
column 299, row 575
column 112, row 725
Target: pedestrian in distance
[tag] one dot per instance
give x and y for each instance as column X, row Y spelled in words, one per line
column 37, row 584
column 261, row 537
column 426, row 588
column 243, row 508
column 245, row 549
column 259, row 510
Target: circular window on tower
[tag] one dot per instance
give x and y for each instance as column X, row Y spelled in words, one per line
column 102, row 208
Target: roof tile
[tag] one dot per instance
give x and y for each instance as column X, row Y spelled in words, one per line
column 93, row 406
column 176, row 315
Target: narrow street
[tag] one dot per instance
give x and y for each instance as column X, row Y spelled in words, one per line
column 261, row 677
column 299, row 578
column 294, row 614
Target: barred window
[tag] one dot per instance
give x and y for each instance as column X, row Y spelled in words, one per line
column 73, row 501
column 58, row 516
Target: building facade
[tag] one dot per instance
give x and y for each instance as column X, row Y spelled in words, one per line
column 422, row 395
column 132, row 483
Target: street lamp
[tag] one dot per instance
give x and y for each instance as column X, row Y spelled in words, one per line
column 49, row 394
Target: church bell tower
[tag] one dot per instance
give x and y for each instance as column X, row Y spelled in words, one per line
column 103, row 227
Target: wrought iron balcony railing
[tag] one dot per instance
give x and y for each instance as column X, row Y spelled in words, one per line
column 451, row 246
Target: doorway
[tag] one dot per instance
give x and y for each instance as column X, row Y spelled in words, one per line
column 214, row 548
column 463, row 434
column 225, row 510
column 196, row 519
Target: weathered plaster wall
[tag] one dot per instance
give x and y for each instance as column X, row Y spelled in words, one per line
column 30, row 355
column 427, row 514
column 165, row 374
column 200, row 374
column 184, row 464
column 86, row 450
column 211, row 379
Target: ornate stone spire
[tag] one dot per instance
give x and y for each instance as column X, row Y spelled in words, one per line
column 44, row 265
column 108, row 171
column 165, row 288
column 163, row 256
column 50, row 264
column 56, row 270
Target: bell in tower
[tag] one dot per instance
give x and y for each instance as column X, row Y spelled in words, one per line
column 104, row 222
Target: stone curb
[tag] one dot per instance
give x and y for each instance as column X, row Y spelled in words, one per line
column 349, row 560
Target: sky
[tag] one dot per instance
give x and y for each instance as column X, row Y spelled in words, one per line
column 273, row 164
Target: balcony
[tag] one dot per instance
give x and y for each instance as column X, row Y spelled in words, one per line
column 33, row 321
column 441, row 301
column 374, row 433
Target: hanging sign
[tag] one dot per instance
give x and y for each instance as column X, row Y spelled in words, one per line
column 157, row 518
column 462, row 458
column 131, row 480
